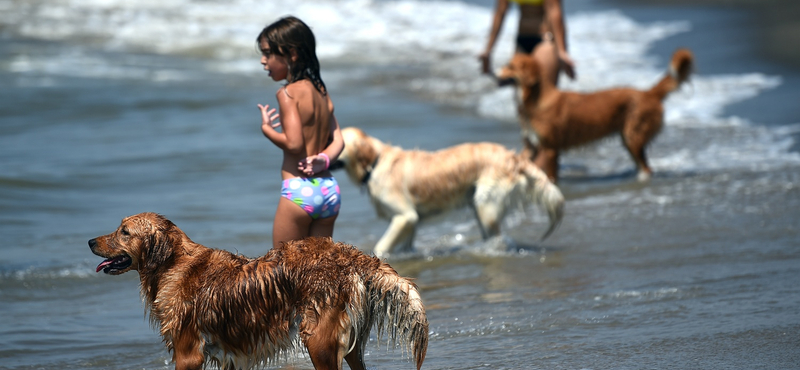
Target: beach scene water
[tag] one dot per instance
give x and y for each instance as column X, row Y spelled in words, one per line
column 109, row 108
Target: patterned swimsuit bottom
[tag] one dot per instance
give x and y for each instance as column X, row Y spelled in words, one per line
column 318, row 196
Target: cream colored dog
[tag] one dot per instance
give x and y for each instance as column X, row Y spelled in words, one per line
column 406, row 186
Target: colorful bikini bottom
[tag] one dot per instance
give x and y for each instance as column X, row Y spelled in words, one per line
column 318, row 196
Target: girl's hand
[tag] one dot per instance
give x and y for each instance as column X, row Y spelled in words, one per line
column 313, row 164
column 486, row 63
column 268, row 116
column 566, row 63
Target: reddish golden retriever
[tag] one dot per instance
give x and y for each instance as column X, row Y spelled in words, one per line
column 554, row 120
column 215, row 308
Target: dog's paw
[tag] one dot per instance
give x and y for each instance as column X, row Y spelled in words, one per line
column 643, row 176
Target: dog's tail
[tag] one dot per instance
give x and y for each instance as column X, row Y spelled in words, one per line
column 679, row 69
column 393, row 305
column 545, row 193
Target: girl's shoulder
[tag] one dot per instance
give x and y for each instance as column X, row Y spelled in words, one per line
column 299, row 87
column 289, row 93
column 300, row 90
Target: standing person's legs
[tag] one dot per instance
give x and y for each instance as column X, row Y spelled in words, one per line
column 291, row 222
column 547, row 57
column 322, row 226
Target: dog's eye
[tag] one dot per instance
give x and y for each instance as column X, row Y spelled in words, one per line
column 125, row 232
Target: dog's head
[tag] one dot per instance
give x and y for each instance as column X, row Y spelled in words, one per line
column 522, row 70
column 359, row 155
column 141, row 242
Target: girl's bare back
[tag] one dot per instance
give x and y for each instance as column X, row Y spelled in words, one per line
column 306, row 116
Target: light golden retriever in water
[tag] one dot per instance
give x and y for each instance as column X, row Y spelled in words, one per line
column 553, row 120
column 215, row 308
column 407, row 186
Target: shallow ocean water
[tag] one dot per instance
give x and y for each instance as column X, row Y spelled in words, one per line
column 113, row 108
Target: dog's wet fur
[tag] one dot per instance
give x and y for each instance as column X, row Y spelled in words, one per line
column 216, row 308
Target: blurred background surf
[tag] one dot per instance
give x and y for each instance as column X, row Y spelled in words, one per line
column 114, row 107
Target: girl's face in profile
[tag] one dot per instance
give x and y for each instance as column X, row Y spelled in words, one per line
column 275, row 65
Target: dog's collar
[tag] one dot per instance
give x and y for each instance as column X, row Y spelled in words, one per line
column 368, row 171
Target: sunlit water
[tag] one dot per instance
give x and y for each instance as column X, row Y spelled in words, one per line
column 111, row 108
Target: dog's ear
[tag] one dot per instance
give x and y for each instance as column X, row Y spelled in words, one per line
column 159, row 244
column 366, row 153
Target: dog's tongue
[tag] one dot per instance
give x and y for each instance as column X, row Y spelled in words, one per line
column 104, row 264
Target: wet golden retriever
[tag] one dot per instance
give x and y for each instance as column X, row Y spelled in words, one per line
column 407, row 186
column 216, row 308
column 554, row 120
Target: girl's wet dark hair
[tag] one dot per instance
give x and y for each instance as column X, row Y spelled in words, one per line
column 290, row 33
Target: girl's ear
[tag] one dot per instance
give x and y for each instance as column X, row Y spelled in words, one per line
column 293, row 55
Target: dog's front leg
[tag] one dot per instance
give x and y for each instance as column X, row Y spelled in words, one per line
column 399, row 234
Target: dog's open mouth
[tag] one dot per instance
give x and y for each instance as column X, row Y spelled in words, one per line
column 114, row 265
column 505, row 81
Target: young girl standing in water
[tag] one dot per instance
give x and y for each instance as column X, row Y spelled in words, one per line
column 310, row 137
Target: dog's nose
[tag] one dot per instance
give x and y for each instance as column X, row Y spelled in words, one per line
column 92, row 244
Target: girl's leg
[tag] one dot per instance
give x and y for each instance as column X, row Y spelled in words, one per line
column 291, row 222
column 545, row 54
column 322, row 226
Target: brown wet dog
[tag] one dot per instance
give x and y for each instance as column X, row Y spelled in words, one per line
column 554, row 120
column 406, row 186
column 217, row 308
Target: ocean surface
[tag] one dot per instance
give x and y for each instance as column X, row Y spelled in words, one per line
column 114, row 107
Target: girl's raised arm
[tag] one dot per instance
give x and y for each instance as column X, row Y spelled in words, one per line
column 291, row 139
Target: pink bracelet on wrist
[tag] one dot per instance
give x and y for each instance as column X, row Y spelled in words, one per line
column 327, row 160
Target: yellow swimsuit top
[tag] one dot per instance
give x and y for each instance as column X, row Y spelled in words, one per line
column 528, row 2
